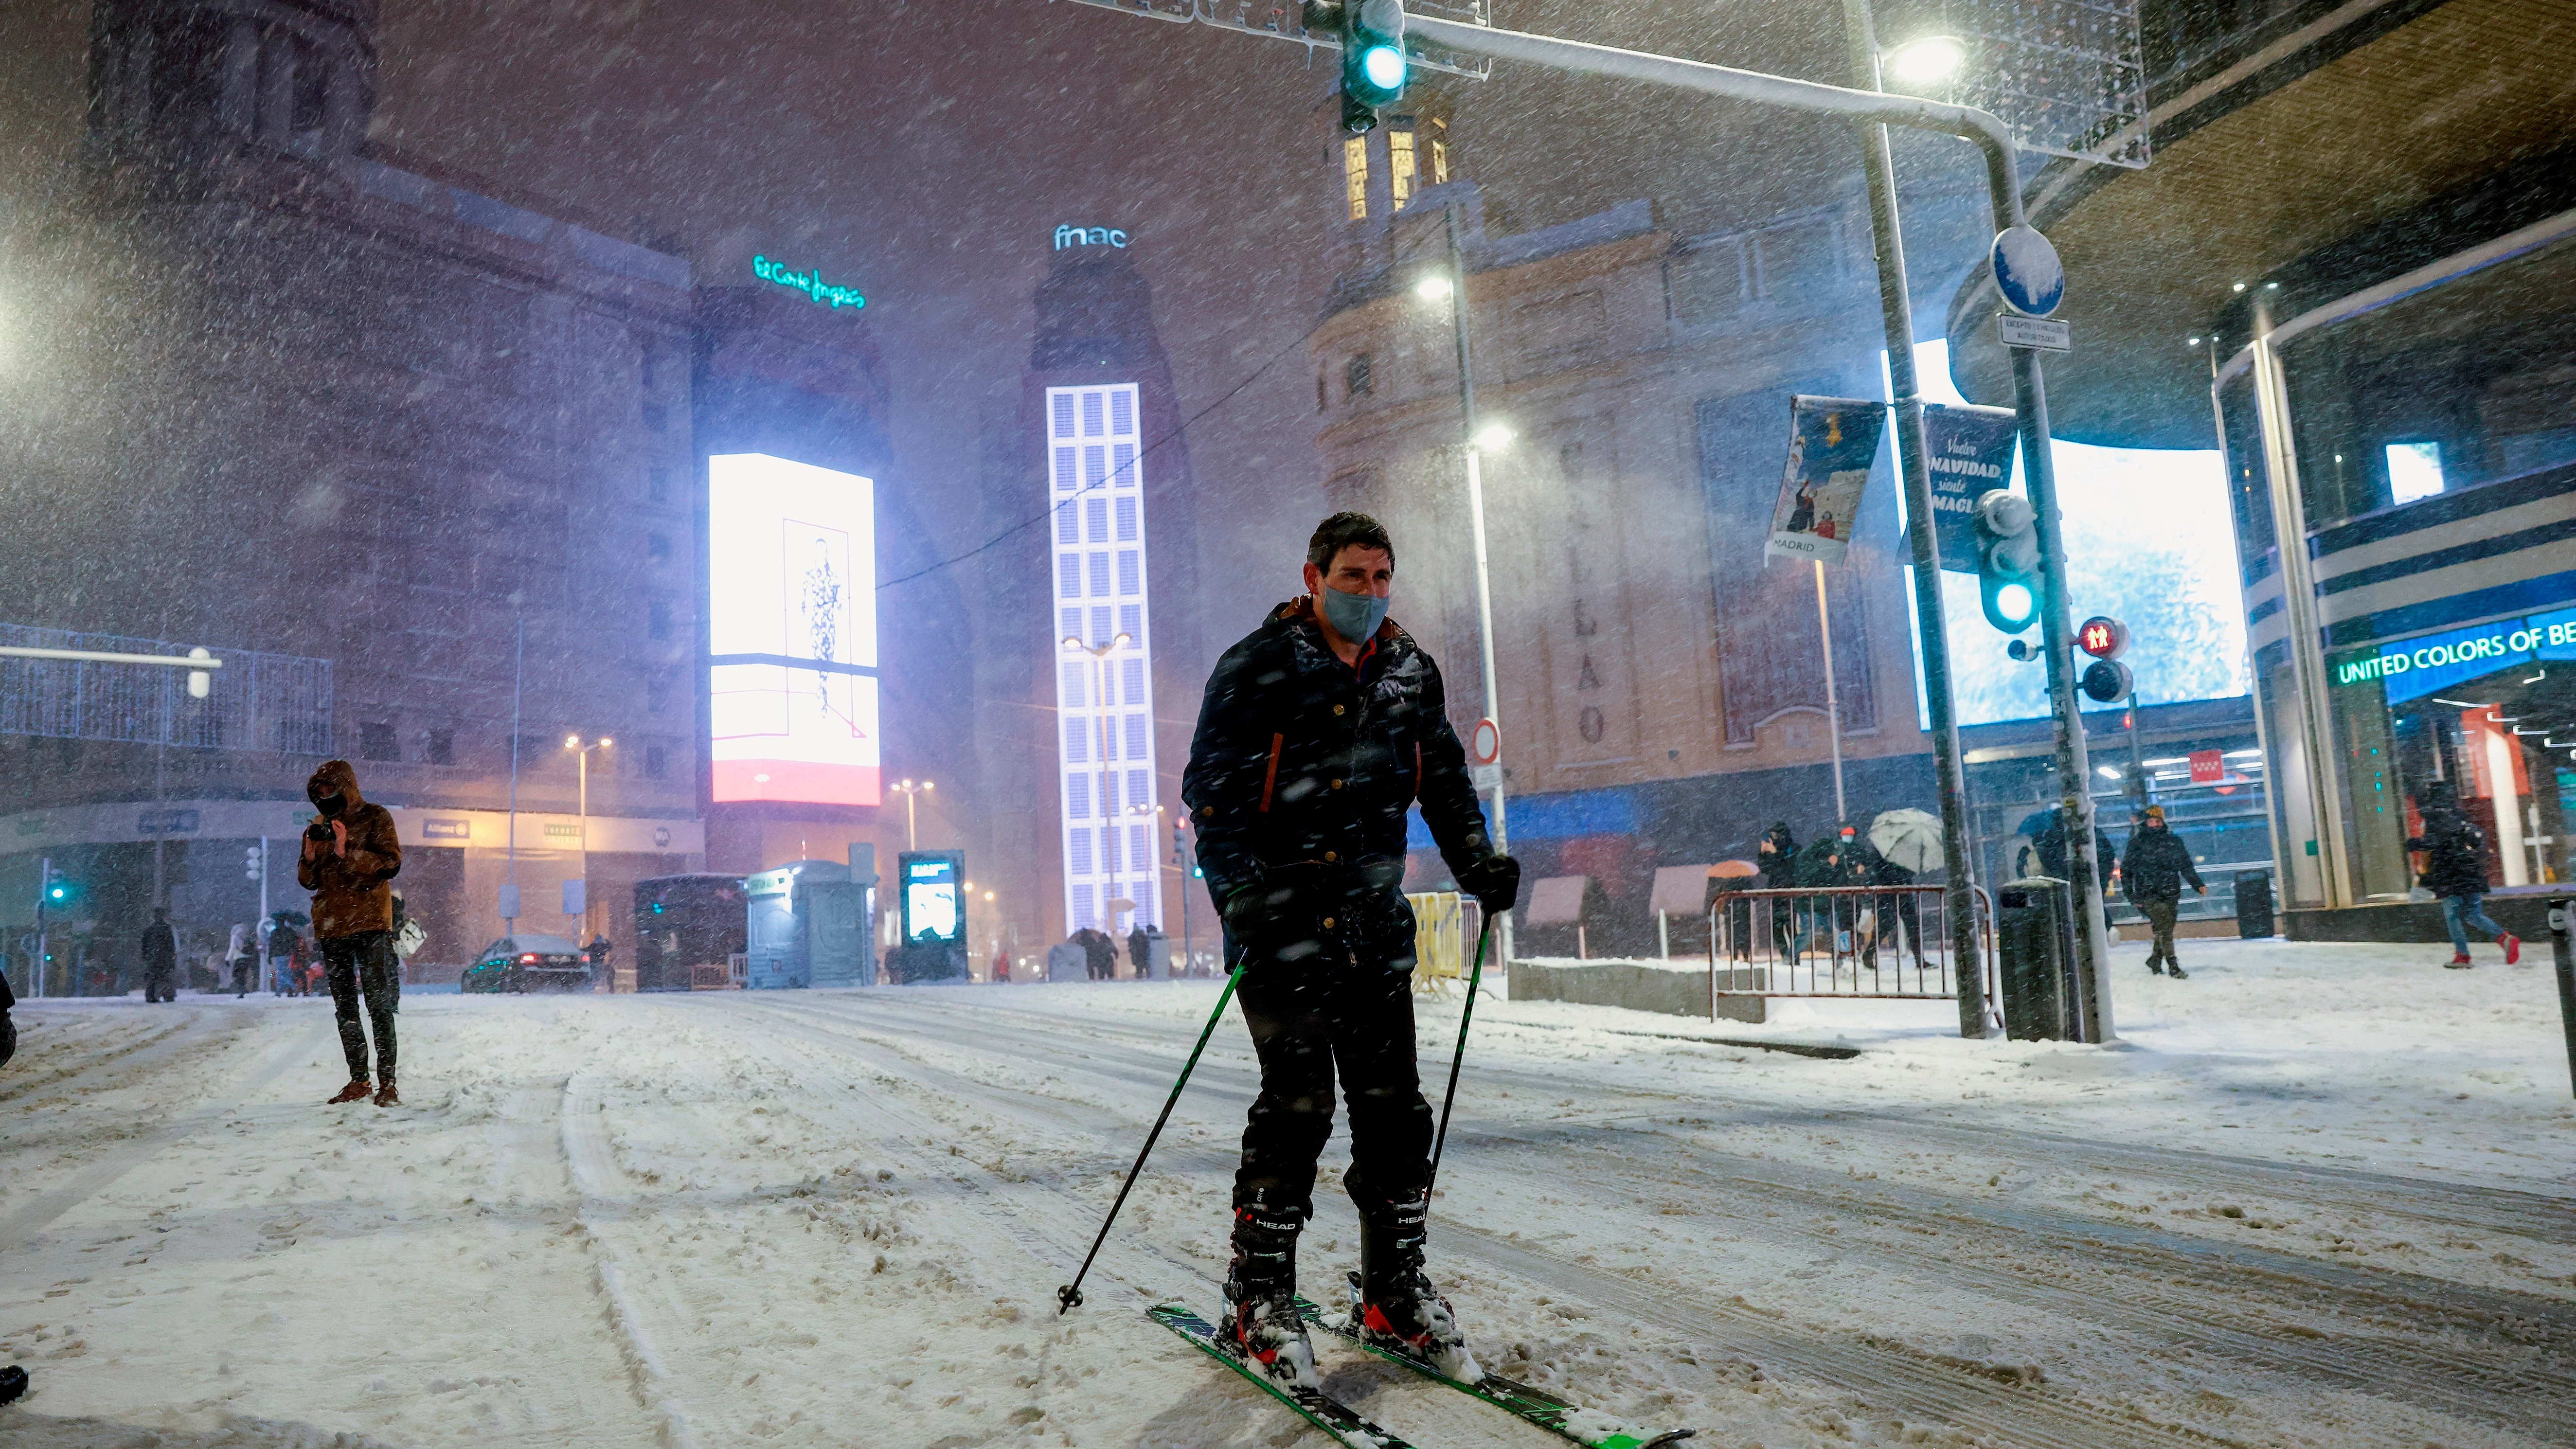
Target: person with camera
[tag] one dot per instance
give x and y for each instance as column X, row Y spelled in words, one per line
column 350, row 856
column 1318, row 732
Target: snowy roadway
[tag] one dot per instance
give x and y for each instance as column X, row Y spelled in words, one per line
column 2321, row 1197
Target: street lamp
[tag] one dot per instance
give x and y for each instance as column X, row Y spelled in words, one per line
column 1100, row 749
column 1926, row 60
column 1452, row 289
column 911, row 793
column 581, row 754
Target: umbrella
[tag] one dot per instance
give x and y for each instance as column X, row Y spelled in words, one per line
column 1733, row 869
column 1909, row 839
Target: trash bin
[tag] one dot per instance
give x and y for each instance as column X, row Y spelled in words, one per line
column 2254, row 904
column 2035, row 939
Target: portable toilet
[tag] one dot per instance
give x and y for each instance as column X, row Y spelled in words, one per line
column 784, row 907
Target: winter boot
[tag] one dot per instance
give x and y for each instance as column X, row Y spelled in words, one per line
column 2156, row 963
column 1393, row 1303
column 2512, row 949
column 1261, row 1321
column 386, row 1096
column 356, row 1091
column 2459, row 962
column 2173, row 969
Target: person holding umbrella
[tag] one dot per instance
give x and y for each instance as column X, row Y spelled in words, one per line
column 1908, row 843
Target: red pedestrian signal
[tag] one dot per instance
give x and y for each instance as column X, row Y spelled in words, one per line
column 2103, row 637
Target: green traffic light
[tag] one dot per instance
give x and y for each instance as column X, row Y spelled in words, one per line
column 1383, row 67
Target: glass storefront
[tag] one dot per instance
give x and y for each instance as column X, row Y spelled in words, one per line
column 2431, row 435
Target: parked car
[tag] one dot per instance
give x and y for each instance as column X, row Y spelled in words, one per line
column 529, row 963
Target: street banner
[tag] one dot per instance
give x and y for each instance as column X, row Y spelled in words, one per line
column 1832, row 442
column 1970, row 453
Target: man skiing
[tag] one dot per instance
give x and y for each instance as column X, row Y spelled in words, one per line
column 2153, row 872
column 1319, row 729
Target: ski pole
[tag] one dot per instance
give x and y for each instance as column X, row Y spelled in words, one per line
column 1484, row 933
column 1070, row 1295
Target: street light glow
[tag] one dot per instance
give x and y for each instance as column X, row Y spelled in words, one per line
column 1928, row 60
column 1433, row 288
column 1494, row 437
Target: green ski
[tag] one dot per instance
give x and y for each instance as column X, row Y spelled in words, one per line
column 1344, row 1423
column 1530, row 1405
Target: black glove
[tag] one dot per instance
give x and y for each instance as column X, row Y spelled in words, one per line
column 1258, row 912
column 1495, row 882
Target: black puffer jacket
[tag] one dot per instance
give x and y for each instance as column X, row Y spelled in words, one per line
column 2157, row 866
column 1302, row 768
column 2455, row 854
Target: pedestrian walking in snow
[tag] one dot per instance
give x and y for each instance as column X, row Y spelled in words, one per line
column 1318, row 731
column 1099, row 953
column 2056, row 856
column 160, row 951
column 242, row 956
column 2455, row 870
column 350, row 855
column 2153, row 873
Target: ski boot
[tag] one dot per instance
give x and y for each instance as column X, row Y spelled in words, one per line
column 1261, row 1320
column 356, row 1091
column 1393, row 1303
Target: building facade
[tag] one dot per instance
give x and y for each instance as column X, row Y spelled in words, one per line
column 429, row 460
column 2366, row 302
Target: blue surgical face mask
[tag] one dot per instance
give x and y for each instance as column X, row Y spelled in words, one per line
column 1354, row 616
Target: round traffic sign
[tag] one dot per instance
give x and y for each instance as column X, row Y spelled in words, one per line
column 2028, row 272
column 1485, row 742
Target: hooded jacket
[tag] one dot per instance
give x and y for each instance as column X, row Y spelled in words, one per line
column 2455, row 854
column 350, row 893
column 2157, row 866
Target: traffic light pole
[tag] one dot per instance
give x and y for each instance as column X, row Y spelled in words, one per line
column 1476, row 532
column 1896, row 306
column 44, row 885
column 2030, row 394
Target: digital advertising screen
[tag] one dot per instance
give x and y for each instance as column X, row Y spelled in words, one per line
column 792, row 632
column 930, row 885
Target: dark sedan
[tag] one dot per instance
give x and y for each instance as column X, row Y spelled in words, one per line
column 529, row 963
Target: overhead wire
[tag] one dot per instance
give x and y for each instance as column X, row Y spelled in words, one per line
column 1182, row 427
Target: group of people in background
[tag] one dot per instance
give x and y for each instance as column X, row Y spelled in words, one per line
column 2152, row 873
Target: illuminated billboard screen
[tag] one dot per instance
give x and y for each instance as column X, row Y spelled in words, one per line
column 792, row 632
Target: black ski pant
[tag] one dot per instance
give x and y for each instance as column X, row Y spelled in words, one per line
column 1333, row 1015
column 364, row 965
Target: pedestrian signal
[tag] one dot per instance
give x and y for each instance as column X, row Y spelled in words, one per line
column 2102, row 636
column 2107, row 680
column 2007, row 560
column 251, row 863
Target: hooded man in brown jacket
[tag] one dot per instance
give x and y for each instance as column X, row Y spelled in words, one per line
column 350, row 853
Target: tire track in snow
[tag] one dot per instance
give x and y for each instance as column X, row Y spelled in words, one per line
column 1921, row 1386
column 597, row 1181
column 22, row 1226
column 150, row 1048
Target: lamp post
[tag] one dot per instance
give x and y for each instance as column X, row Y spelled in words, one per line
column 911, row 793
column 1452, row 287
column 1924, row 61
column 1100, row 741
column 582, row 753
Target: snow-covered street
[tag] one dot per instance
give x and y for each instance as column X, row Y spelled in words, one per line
column 2319, row 1196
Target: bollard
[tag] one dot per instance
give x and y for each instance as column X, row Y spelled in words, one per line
column 2560, row 948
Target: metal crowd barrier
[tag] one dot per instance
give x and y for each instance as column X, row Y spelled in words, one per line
column 1885, row 942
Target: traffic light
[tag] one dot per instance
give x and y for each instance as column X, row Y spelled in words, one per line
column 1374, row 67
column 2105, row 679
column 2008, row 560
column 57, row 889
column 251, row 863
